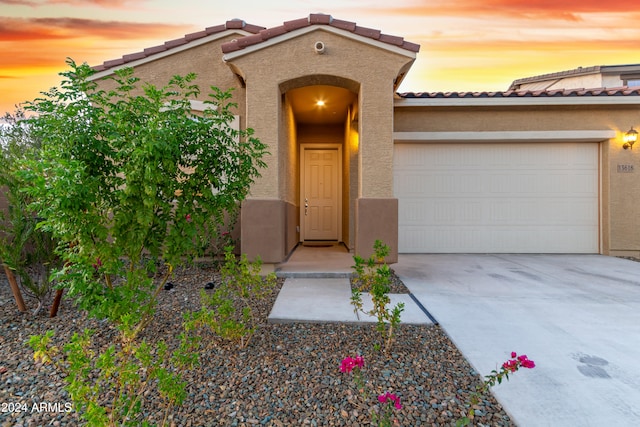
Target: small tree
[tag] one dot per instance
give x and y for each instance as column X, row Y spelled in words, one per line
column 133, row 184
column 25, row 251
column 131, row 179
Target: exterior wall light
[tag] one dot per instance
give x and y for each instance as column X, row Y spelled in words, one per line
column 630, row 138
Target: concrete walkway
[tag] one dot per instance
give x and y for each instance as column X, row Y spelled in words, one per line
column 576, row 316
column 317, row 289
column 328, row 300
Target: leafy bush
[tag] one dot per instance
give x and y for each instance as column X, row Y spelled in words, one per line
column 131, row 179
column 373, row 275
column 26, row 250
column 229, row 311
column 108, row 386
column 132, row 183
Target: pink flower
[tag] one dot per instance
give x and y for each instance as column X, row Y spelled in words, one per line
column 188, row 217
column 525, row 362
column 383, row 398
column 348, row 363
column 518, row 361
column 510, row 365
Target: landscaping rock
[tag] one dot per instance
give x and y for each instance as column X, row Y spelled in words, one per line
column 287, row 376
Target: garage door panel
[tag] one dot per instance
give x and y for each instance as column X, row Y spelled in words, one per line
column 528, row 198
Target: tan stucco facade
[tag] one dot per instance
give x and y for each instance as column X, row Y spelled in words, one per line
column 267, row 75
column 366, row 135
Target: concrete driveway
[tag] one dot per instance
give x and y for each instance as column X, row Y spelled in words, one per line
column 576, row 316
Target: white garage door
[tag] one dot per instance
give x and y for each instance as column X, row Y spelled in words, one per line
column 497, row 198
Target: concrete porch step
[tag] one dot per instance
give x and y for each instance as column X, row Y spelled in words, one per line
column 311, row 299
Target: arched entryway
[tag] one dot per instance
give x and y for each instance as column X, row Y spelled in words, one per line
column 321, row 139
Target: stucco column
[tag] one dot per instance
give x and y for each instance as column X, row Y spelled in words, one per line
column 376, row 210
column 263, row 214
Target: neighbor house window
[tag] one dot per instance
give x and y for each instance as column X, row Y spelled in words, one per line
column 632, row 80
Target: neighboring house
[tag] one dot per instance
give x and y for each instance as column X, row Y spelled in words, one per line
column 600, row 76
column 352, row 161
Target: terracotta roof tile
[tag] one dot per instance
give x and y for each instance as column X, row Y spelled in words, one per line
column 176, row 42
column 260, row 34
column 197, row 35
column 413, row 47
column 113, row 62
column 398, row 41
column 134, row 56
column 153, row 50
column 319, row 18
column 273, row 32
column 234, row 24
column 216, row 29
column 368, row 32
column 252, row 28
column 296, row 24
column 344, row 25
column 322, row 19
column 619, row 91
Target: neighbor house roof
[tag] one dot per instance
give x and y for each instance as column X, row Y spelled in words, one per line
column 255, row 35
column 580, row 71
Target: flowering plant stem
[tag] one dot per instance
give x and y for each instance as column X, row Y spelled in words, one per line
column 388, row 401
column 374, row 276
column 510, row 366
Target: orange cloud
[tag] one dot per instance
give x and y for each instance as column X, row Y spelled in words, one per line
column 567, row 10
column 113, row 4
column 34, row 49
column 24, row 29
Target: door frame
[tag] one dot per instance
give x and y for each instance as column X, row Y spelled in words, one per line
column 320, row 146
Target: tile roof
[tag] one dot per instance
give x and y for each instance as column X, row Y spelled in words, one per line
column 318, row 19
column 260, row 34
column 234, row 24
column 618, row 91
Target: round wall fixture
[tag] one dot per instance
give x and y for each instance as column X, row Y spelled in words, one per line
column 319, row 48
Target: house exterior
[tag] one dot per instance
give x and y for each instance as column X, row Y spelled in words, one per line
column 527, row 170
column 604, row 76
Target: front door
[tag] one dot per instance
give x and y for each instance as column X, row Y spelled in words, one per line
column 320, row 194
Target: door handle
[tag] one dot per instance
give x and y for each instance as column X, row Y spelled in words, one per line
column 306, row 206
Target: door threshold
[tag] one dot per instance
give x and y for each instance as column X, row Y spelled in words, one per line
column 320, row 243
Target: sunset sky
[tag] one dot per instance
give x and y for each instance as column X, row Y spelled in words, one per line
column 465, row 44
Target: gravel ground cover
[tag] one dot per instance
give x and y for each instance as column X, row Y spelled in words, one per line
column 287, row 376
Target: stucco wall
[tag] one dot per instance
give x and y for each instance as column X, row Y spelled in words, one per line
column 373, row 68
column 204, row 60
